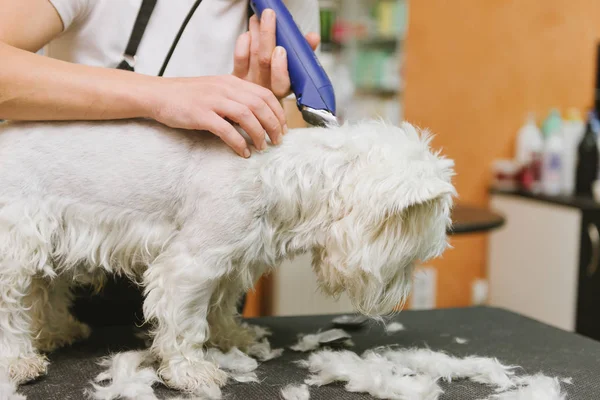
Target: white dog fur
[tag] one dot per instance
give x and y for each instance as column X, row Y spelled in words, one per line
column 196, row 225
column 414, row 374
column 295, row 392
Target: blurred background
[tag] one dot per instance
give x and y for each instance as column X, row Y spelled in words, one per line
column 508, row 88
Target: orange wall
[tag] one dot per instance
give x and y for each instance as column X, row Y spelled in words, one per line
column 473, row 69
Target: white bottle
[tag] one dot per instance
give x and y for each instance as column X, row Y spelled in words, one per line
column 552, row 161
column 529, row 142
column 552, row 165
column 573, row 130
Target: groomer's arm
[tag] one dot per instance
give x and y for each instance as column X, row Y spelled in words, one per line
column 34, row 87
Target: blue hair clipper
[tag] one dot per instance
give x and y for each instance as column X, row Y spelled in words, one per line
column 311, row 85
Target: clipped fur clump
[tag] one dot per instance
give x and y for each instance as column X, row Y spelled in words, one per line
column 372, row 374
column 313, row 341
column 263, row 352
column 129, row 375
column 439, row 365
column 412, row 374
column 536, row 387
column 394, row 327
column 234, row 360
column 196, row 226
column 293, row 392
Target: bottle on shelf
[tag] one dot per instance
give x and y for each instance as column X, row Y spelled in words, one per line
column 530, row 146
column 573, row 131
column 587, row 152
column 552, row 160
column 587, row 157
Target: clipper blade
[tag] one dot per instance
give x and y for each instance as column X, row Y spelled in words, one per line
column 320, row 118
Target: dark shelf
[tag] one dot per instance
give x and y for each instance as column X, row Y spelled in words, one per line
column 471, row 219
column 583, row 203
column 377, row 91
column 377, row 41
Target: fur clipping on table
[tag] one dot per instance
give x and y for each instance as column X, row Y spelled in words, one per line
column 295, row 392
column 414, row 374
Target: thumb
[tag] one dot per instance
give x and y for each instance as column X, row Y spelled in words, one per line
column 280, row 77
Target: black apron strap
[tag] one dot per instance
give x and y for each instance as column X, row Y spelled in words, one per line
column 141, row 22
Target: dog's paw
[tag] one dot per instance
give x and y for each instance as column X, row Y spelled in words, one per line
column 201, row 377
column 69, row 333
column 81, row 331
column 25, row 369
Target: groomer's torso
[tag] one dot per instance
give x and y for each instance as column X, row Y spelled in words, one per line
column 97, row 31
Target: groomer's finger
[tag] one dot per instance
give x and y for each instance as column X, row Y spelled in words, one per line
column 280, row 77
column 314, row 39
column 246, row 118
column 254, row 30
column 241, row 56
column 266, row 45
column 238, row 86
column 268, row 119
column 223, row 129
column 269, row 97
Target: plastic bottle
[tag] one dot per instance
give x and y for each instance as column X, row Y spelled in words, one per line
column 573, row 130
column 587, row 157
column 529, row 148
column 529, row 142
column 552, row 160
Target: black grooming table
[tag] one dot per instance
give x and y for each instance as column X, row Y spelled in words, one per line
column 511, row 338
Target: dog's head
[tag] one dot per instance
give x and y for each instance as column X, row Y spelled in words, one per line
column 389, row 204
column 369, row 199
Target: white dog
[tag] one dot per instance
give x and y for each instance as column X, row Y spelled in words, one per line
column 196, row 225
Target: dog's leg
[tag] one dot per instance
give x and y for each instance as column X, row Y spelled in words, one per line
column 17, row 353
column 226, row 330
column 179, row 288
column 52, row 323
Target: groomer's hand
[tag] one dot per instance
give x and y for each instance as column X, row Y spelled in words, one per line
column 211, row 102
column 258, row 60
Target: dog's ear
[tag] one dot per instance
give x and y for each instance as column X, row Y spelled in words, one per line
column 401, row 170
column 426, row 190
column 420, row 182
column 431, row 177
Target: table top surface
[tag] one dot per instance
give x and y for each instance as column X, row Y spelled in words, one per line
column 472, row 219
column 513, row 339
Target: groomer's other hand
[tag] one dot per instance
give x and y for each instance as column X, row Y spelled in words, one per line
column 209, row 102
column 258, row 60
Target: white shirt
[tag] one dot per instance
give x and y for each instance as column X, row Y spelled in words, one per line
column 96, row 33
